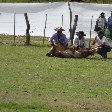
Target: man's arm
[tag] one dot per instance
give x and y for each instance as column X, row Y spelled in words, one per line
column 75, row 42
column 94, row 41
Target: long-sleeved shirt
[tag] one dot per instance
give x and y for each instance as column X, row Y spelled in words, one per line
column 59, row 39
column 78, row 42
column 101, row 22
column 110, row 20
column 102, row 41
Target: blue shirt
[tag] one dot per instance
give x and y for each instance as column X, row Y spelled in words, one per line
column 110, row 20
column 59, row 39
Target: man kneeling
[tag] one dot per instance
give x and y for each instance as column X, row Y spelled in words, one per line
column 103, row 44
column 58, row 37
column 79, row 41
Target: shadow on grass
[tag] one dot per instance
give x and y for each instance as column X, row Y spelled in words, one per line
column 22, row 106
column 88, row 58
column 99, row 58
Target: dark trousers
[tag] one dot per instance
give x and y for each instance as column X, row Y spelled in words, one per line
column 103, row 50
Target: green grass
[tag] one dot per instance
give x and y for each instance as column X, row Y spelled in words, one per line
column 32, row 82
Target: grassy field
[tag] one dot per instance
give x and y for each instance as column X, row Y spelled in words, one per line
column 32, row 82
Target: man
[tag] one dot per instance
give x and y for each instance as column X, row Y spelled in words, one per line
column 109, row 30
column 110, row 21
column 103, row 44
column 79, row 41
column 101, row 22
column 58, row 38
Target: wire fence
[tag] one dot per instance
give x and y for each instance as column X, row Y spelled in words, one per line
column 45, row 21
column 13, row 26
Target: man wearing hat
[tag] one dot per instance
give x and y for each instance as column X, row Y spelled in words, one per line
column 103, row 44
column 79, row 41
column 56, row 38
column 101, row 22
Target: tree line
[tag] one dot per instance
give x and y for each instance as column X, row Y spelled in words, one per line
column 40, row 1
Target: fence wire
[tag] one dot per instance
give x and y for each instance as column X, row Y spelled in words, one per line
column 55, row 12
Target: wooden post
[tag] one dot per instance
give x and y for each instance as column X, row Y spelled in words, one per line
column 45, row 28
column 70, row 30
column 90, row 34
column 74, row 28
column 27, row 29
column 14, row 27
column 62, row 19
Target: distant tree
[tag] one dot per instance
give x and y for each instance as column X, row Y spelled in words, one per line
column 75, row 0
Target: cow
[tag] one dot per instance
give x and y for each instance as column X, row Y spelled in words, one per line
column 59, row 51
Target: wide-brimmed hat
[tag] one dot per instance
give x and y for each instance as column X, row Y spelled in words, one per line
column 100, row 32
column 59, row 29
column 102, row 13
column 80, row 33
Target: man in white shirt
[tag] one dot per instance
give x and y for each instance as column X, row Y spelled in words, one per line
column 79, row 41
column 103, row 44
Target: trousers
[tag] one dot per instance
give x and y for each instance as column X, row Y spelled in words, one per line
column 103, row 50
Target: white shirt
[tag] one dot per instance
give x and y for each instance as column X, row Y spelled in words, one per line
column 77, row 42
column 101, row 22
column 103, row 40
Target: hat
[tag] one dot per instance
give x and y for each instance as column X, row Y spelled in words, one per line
column 80, row 33
column 100, row 32
column 59, row 29
column 102, row 13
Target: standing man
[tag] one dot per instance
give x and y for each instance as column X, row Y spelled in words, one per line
column 110, row 26
column 101, row 22
column 79, row 41
column 110, row 21
column 103, row 44
column 58, row 38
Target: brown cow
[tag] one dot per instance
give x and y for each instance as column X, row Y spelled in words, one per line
column 59, row 51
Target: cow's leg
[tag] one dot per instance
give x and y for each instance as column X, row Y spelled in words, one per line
column 51, row 52
column 60, row 54
column 86, row 53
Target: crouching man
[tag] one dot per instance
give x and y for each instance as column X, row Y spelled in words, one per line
column 79, row 41
column 103, row 44
column 57, row 38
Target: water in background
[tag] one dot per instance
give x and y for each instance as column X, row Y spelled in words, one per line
column 37, row 15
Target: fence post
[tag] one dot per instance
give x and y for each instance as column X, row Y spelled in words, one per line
column 62, row 19
column 45, row 28
column 90, row 33
column 27, row 29
column 74, row 28
column 14, row 27
column 70, row 30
